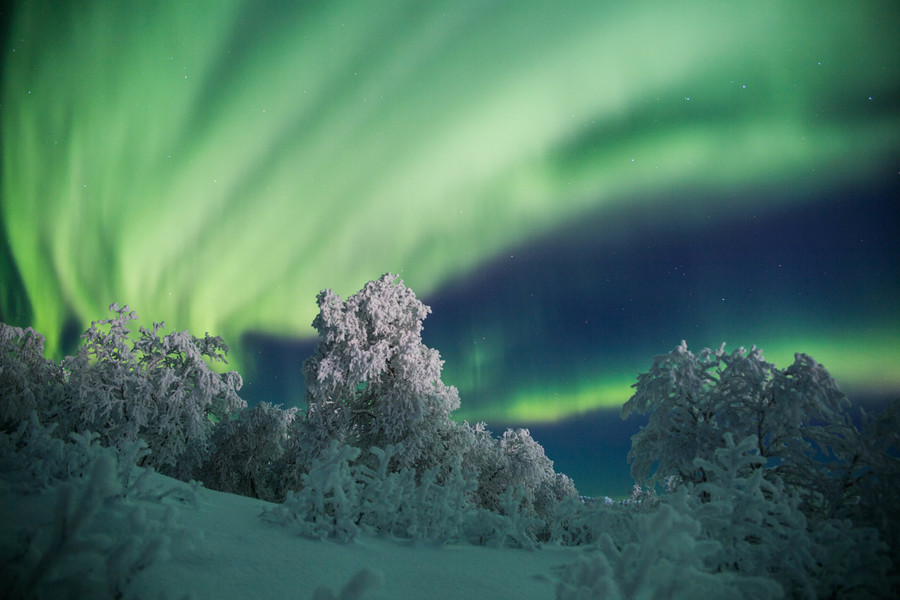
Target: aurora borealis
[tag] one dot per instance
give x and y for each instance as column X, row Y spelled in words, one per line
column 573, row 187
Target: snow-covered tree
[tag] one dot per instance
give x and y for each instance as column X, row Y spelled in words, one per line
column 373, row 385
column 246, row 454
column 28, row 381
column 516, row 460
column 693, row 399
column 160, row 389
column 772, row 460
column 372, row 381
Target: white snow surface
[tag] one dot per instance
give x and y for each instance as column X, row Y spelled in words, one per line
column 226, row 551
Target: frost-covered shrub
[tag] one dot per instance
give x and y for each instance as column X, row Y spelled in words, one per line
column 160, row 389
column 668, row 558
column 328, row 503
column 581, row 521
column 851, row 562
column 483, row 457
column 855, row 478
column 32, row 459
column 693, row 399
column 512, row 524
column 28, row 381
column 434, row 512
column 341, row 496
column 404, row 504
column 868, row 486
column 764, row 533
column 371, row 381
column 385, row 490
column 96, row 545
column 758, row 524
column 517, row 461
column 246, row 454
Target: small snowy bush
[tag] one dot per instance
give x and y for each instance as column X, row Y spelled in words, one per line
column 759, row 525
column 99, row 541
column 246, row 453
column 764, row 532
column 328, row 503
column 160, row 389
column 581, row 522
column 402, row 504
column 511, row 524
column 32, row 459
column 668, row 558
column 28, row 381
column 340, row 497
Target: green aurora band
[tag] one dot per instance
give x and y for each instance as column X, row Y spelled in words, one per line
column 216, row 164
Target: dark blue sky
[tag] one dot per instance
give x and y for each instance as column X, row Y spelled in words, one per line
column 577, row 305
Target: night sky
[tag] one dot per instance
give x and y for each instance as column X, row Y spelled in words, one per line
column 573, row 187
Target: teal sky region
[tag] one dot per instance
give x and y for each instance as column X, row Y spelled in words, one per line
column 528, row 168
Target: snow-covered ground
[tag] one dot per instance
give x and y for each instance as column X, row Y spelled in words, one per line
column 224, row 550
